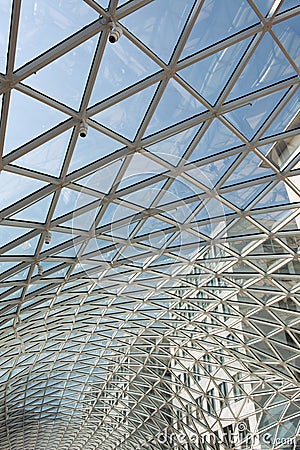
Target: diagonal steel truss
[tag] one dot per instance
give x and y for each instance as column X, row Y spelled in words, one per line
column 168, row 296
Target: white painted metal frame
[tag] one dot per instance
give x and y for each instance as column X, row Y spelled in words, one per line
column 105, row 330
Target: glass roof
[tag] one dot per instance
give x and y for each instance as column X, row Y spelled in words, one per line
column 149, row 224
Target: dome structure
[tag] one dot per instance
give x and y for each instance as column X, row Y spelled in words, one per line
column 149, row 224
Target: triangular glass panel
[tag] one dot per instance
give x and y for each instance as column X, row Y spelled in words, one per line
column 26, row 248
column 59, row 274
column 285, row 312
column 15, row 295
column 264, row 149
column 265, row 283
column 70, row 252
column 264, row 6
column 27, row 119
column 140, row 168
column 95, row 146
column 83, row 221
column 15, row 187
column 103, row 179
column 284, row 118
column 182, row 213
column 271, row 219
column 4, row 266
column 105, row 256
column 269, row 246
column 122, row 232
column 241, row 246
column 186, row 252
column 48, row 158
column 292, row 225
column 9, row 234
column 36, row 287
column 114, row 213
column 5, row 15
column 84, row 268
column 278, row 195
column 128, row 252
column 108, row 214
column 22, row 275
column 214, row 208
column 44, row 25
column 267, row 65
column 151, row 225
column 156, row 240
column 123, row 65
column 209, row 75
column 126, row 116
column 175, row 105
column 288, row 4
column 216, row 139
column 292, row 193
column 69, row 200
column 159, row 24
column 288, row 283
column 249, row 118
column 144, row 197
column 180, row 189
column 209, row 174
column 211, row 229
column 95, row 245
column 169, row 264
column 227, row 19
column 242, row 197
column 282, row 265
column 172, row 148
column 37, row 212
column 72, row 69
column 185, row 238
column 242, row 267
column 249, row 169
column 244, row 228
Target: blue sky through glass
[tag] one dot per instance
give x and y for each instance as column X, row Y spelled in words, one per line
column 176, row 193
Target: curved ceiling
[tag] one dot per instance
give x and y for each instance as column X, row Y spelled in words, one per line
column 149, row 271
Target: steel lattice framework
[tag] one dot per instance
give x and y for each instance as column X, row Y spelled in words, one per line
column 168, row 294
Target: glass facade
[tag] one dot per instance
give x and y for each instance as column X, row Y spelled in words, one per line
column 149, row 224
